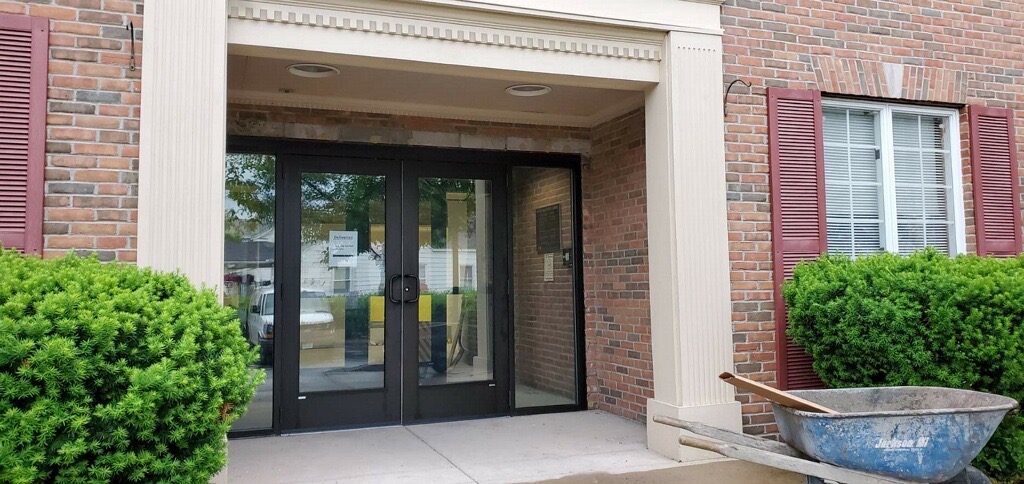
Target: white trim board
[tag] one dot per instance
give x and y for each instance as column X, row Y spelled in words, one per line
column 692, row 16
column 620, row 43
column 441, row 42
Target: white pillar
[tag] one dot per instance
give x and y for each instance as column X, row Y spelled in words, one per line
column 181, row 165
column 483, row 277
column 691, row 331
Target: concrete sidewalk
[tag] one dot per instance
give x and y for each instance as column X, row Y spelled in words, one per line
column 580, row 447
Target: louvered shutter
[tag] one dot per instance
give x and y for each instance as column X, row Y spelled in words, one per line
column 798, row 210
column 995, row 180
column 23, row 62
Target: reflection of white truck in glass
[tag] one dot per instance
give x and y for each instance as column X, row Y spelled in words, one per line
column 315, row 321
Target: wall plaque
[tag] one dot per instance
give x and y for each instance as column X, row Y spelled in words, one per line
column 549, row 229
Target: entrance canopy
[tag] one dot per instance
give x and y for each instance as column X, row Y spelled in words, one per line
column 453, row 59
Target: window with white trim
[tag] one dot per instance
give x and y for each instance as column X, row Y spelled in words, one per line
column 892, row 178
column 342, row 280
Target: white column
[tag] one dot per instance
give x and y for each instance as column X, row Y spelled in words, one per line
column 483, row 277
column 181, row 166
column 691, row 331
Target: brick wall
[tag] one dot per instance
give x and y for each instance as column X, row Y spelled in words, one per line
column 946, row 52
column 545, row 336
column 347, row 126
column 619, row 367
column 92, row 123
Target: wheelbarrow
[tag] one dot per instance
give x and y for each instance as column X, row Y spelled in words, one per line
column 876, row 435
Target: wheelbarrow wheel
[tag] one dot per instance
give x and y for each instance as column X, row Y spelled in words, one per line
column 970, row 475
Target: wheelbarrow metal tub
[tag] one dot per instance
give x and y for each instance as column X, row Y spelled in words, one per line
column 918, row 434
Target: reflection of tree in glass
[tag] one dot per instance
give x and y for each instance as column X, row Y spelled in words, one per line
column 332, row 201
column 249, row 205
column 329, row 200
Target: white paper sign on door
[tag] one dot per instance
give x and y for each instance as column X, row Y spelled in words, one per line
column 343, row 247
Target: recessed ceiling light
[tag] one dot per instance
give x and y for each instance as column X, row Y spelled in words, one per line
column 528, row 90
column 313, row 70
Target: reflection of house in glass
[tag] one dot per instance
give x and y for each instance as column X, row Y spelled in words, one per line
column 253, row 258
column 248, row 264
column 366, row 273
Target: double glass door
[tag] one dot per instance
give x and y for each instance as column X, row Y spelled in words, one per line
column 392, row 289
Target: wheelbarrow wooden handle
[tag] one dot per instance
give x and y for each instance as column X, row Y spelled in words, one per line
column 787, row 462
column 774, row 395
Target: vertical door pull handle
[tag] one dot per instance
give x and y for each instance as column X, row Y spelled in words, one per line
column 391, row 289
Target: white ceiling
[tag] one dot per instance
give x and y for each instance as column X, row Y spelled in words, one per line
column 266, row 80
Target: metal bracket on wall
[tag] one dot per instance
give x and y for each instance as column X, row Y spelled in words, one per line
column 131, row 33
column 725, row 99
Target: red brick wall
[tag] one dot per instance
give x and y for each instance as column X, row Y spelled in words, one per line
column 951, row 52
column 92, row 123
column 348, row 126
column 618, row 319
column 545, row 335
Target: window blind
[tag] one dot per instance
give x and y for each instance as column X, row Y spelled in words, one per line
column 853, row 181
column 922, row 187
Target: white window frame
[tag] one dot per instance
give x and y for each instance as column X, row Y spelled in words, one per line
column 954, row 169
column 337, row 271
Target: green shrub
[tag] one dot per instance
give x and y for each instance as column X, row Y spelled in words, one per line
column 925, row 319
column 110, row 373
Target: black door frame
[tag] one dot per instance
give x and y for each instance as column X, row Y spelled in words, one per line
column 459, row 400
column 363, row 407
column 281, row 148
column 573, row 163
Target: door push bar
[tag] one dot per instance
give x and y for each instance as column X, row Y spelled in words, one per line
column 405, row 288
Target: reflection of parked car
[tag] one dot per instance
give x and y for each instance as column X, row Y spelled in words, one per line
column 315, row 320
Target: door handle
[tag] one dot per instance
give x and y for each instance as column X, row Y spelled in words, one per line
column 391, row 289
column 416, row 284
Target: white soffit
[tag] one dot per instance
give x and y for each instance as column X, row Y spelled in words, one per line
column 265, row 81
column 430, row 38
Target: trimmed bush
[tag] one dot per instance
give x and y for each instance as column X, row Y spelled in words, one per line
column 925, row 319
column 109, row 373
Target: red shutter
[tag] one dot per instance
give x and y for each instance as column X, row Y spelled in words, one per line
column 798, row 211
column 996, row 181
column 23, row 58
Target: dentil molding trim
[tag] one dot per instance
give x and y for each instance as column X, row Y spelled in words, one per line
column 480, row 31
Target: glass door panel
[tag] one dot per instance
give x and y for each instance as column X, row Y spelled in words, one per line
column 543, row 274
column 454, row 342
column 339, row 334
column 387, row 309
column 249, row 199
column 454, row 311
column 342, row 310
